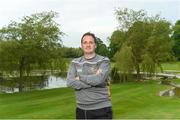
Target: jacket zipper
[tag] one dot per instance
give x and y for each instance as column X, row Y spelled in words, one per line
column 85, row 115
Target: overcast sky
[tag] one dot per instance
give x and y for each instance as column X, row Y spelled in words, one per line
column 79, row 16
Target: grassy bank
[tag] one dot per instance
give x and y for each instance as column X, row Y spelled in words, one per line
column 166, row 65
column 174, row 66
column 130, row 100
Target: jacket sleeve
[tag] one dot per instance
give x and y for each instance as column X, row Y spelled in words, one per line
column 71, row 81
column 100, row 79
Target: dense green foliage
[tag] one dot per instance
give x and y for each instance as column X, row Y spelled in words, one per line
column 141, row 43
column 176, row 39
column 34, row 42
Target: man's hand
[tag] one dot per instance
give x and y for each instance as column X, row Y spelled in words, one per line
column 77, row 78
column 98, row 71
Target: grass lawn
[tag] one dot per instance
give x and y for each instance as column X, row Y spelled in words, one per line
column 166, row 66
column 171, row 66
column 130, row 100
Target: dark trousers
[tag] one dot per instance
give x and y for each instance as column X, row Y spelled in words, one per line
column 103, row 113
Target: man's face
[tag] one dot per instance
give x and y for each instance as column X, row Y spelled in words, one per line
column 88, row 45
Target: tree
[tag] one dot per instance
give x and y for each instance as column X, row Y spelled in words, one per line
column 71, row 52
column 159, row 46
column 176, row 40
column 124, row 61
column 137, row 36
column 127, row 17
column 101, row 47
column 116, row 40
column 34, row 40
column 146, row 37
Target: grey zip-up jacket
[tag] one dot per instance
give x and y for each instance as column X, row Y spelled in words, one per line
column 92, row 90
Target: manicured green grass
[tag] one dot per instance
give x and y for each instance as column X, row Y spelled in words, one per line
column 171, row 66
column 142, row 101
column 130, row 100
column 54, row 103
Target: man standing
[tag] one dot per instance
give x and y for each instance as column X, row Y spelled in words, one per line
column 88, row 75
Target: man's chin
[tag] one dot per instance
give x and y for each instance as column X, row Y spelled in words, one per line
column 89, row 52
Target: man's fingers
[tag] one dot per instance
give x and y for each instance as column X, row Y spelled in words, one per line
column 77, row 78
column 98, row 71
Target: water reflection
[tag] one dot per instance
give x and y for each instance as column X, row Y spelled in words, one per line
column 32, row 83
column 55, row 82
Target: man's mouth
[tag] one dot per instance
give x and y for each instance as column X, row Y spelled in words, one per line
column 88, row 48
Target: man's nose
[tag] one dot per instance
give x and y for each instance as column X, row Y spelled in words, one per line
column 88, row 44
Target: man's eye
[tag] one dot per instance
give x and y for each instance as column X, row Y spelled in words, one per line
column 88, row 42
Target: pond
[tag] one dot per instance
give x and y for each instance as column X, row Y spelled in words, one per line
column 32, row 83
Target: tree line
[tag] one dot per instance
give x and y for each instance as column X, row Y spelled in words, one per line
column 141, row 43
